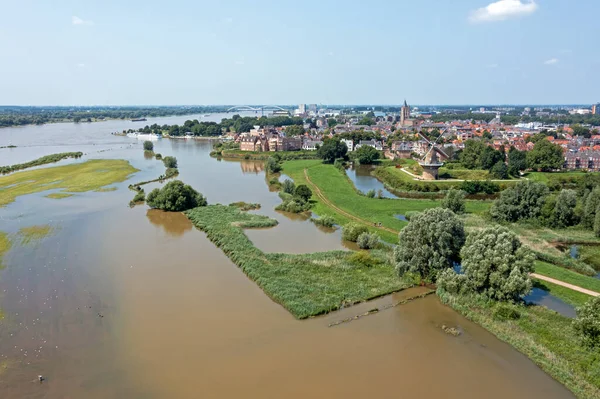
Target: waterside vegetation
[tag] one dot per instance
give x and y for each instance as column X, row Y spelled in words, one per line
column 74, row 178
column 306, row 284
column 40, row 161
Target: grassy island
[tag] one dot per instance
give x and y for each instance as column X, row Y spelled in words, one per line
column 305, row 284
column 75, row 178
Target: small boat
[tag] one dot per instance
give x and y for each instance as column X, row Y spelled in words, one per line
column 205, row 115
column 148, row 136
column 139, row 120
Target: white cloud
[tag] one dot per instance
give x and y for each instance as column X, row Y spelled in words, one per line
column 551, row 61
column 78, row 21
column 81, row 65
column 503, row 9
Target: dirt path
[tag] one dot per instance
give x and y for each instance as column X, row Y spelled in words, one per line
column 563, row 284
column 319, row 194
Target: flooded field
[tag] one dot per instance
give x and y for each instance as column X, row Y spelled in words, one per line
column 117, row 302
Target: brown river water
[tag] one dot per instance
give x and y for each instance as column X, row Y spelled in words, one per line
column 136, row 303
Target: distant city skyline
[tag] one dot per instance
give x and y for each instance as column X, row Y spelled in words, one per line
column 467, row 52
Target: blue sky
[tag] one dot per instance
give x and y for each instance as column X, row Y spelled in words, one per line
column 283, row 52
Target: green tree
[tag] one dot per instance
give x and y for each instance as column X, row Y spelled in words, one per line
column 288, row 187
column 331, row 122
column 175, row 197
column 303, row 192
column 366, row 155
column 592, row 203
column 294, row 130
column 170, row 162
column 564, row 208
column 490, row 157
column 352, row 231
column 331, row 150
column 455, row 201
column 499, row 170
column 470, row 156
column 597, row 223
column 587, row 323
column 545, row 156
column 522, row 201
column 430, row 243
column 517, row 161
column 367, row 241
column 366, row 121
column 494, row 264
column 273, row 165
column 148, row 146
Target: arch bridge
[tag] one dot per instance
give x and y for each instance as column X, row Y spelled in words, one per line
column 256, row 108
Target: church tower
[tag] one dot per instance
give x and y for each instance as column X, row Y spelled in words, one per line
column 404, row 113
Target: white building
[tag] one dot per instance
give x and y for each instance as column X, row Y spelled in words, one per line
column 349, row 143
column 378, row 145
column 311, row 145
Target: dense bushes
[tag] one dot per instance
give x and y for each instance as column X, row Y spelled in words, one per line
column 273, row 165
column 477, row 187
column 302, row 191
column 40, row 161
column 288, row 187
column 170, row 162
column 367, row 240
column 148, row 146
column 175, row 197
column 494, row 264
column 351, row 231
column 325, row 221
column 587, row 323
column 430, row 243
column 366, row 155
column 523, row 201
column 455, row 201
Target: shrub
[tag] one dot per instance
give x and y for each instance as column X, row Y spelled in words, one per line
column 564, row 208
column 351, row 231
column 148, row 145
column 303, row 192
column 499, row 170
column 370, row 193
column 170, row 172
column 592, row 203
column 496, row 265
column 523, row 201
column 176, row 197
column 288, row 186
column 170, row 162
column 430, row 243
column 293, row 205
column 366, row 155
column 367, row 240
column 326, row 221
column 504, row 312
column 411, row 214
column 158, row 156
column 273, row 165
column 455, row 201
column 597, row 224
column 363, row 258
column 245, row 206
column 587, row 323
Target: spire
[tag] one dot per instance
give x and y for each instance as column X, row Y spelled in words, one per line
column 405, row 104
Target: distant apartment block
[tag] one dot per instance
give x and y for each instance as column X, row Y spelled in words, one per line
column 349, row 144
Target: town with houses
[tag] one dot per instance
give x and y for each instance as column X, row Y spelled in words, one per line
column 407, row 134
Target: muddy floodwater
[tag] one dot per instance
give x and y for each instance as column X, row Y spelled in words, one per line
column 137, row 303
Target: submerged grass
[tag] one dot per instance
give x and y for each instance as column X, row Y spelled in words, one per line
column 306, row 284
column 59, row 195
column 4, row 246
column 74, row 178
column 29, row 235
column 544, row 336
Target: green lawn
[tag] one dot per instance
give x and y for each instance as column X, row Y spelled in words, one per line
column 545, row 337
column 74, row 178
column 568, row 276
column 340, row 191
column 555, row 177
column 305, row 284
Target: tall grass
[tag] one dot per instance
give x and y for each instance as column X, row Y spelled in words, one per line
column 40, row 161
column 305, row 284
